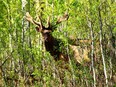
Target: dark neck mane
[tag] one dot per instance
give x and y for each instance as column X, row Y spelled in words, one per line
column 52, row 45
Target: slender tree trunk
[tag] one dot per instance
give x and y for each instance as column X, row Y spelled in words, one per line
column 101, row 45
column 10, row 36
column 92, row 53
column 92, row 45
column 22, row 62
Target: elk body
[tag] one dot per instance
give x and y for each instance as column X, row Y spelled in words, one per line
column 53, row 44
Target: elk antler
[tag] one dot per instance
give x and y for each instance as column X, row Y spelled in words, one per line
column 63, row 18
column 40, row 25
column 48, row 22
column 30, row 19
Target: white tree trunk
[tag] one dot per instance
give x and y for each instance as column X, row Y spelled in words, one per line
column 101, row 46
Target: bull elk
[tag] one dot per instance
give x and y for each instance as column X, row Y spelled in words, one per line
column 52, row 44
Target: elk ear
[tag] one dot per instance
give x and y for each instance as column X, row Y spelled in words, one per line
column 39, row 28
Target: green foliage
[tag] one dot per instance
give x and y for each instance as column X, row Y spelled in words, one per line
column 23, row 59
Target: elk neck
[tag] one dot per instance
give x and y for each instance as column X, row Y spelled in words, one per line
column 48, row 41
